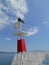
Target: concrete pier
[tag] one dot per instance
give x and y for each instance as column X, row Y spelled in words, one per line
column 31, row 58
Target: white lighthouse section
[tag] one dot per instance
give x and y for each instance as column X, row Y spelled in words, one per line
column 31, row 58
column 20, row 59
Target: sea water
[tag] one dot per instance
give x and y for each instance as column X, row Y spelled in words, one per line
column 6, row 58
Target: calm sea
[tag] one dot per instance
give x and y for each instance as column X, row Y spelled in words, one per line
column 6, row 58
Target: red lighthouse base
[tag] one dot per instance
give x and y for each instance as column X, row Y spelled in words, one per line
column 21, row 46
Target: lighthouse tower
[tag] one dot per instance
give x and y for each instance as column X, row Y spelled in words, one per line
column 21, row 45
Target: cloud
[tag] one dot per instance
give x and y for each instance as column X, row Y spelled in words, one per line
column 3, row 20
column 10, row 10
column 7, row 39
column 33, row 31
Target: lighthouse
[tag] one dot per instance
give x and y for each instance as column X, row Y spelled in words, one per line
column 21, row 56
column 21, row 45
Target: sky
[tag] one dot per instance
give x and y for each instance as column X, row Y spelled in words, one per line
column 35, row 14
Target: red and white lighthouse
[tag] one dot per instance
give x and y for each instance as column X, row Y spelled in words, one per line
column 21, row 45
column 20, row 57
